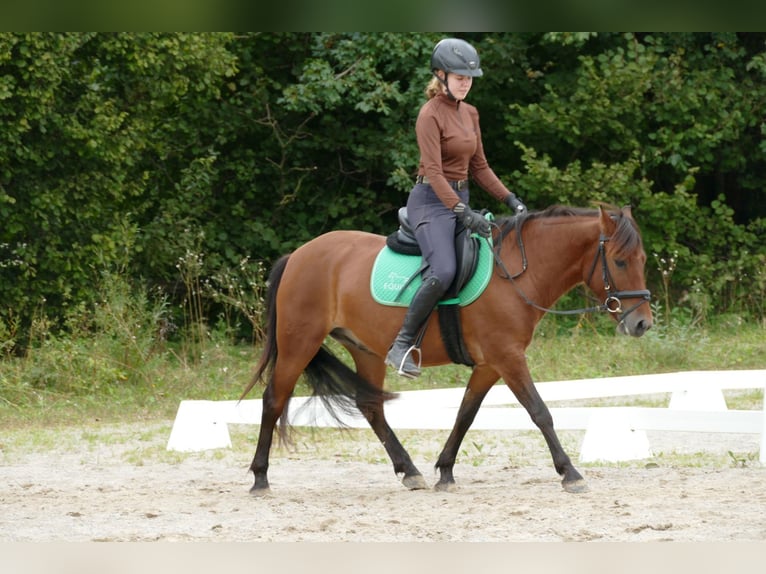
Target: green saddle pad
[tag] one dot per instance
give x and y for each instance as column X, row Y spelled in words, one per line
column 395, row 277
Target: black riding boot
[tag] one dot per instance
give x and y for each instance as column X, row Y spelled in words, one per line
column 423, row 303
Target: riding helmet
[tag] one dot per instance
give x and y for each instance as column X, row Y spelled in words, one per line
column 456, row 56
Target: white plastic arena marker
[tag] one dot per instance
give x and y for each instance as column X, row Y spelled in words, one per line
column 611, row 437
column 763, row 431
column 198, row 426
column 698, row 398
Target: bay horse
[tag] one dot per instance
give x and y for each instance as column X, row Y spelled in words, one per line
column 323, row 289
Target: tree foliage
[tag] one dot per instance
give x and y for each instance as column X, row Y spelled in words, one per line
column 128, row 152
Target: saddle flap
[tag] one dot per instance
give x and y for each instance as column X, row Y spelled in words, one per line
column 467, row 258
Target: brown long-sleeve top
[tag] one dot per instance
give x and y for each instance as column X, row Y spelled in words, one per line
column 449, row 139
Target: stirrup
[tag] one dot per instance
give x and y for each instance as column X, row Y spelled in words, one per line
column 400, row 367
column 411, row 351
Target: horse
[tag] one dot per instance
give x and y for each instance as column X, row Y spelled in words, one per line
column 322, row 289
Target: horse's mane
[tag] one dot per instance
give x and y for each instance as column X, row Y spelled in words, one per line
column 625, row 240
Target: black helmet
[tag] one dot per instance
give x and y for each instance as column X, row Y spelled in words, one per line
column 456, row 56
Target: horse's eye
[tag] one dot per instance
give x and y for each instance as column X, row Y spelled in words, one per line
column 620, row 263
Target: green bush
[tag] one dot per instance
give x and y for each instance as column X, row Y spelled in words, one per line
column 133, row 151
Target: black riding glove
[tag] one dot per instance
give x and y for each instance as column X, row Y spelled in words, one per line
column 515, row 204
column 473, row 221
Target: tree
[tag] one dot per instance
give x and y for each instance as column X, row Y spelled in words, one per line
column 144, row 152
column 87, row 144
column 668, row 123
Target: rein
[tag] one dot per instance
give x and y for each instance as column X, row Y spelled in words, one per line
column 613, row 301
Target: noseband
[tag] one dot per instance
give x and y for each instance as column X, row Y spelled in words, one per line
column 613, row 301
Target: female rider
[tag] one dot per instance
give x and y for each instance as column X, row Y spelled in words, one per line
column 449, row 139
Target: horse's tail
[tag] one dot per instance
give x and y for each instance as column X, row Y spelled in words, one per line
column 269, row 355
column 340, row 388
column 331, row 380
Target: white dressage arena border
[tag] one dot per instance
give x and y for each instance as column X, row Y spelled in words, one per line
column 612, row 433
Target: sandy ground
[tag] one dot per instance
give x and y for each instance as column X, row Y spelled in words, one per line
column 117, row 483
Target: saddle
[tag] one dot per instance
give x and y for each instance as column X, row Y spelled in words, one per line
column 466, row 252
column 397, row 274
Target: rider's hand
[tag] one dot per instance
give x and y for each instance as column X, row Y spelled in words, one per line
column 473, row 221
column 515, row 203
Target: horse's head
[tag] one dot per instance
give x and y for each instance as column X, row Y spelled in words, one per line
column 617, row 272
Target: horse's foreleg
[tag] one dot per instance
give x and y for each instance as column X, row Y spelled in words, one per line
column 481, row 381
column 530, row 399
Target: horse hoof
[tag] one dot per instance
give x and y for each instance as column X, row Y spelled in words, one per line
column 415, row 482
column 260, row 492
column 576, row 486
column 445, row 487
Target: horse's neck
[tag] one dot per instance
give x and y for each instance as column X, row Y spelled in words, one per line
column 558, row 251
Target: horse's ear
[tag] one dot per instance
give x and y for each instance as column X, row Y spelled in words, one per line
column 608, row 226
column 627, row 211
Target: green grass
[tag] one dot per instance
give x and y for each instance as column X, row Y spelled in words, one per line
column 92, row 387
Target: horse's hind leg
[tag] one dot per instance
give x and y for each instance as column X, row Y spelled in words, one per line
column 481, row 381
column 275, row 398
column 260, row 465
column 372, row 368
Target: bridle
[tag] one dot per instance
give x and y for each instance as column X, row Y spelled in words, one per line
column 613, row 300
